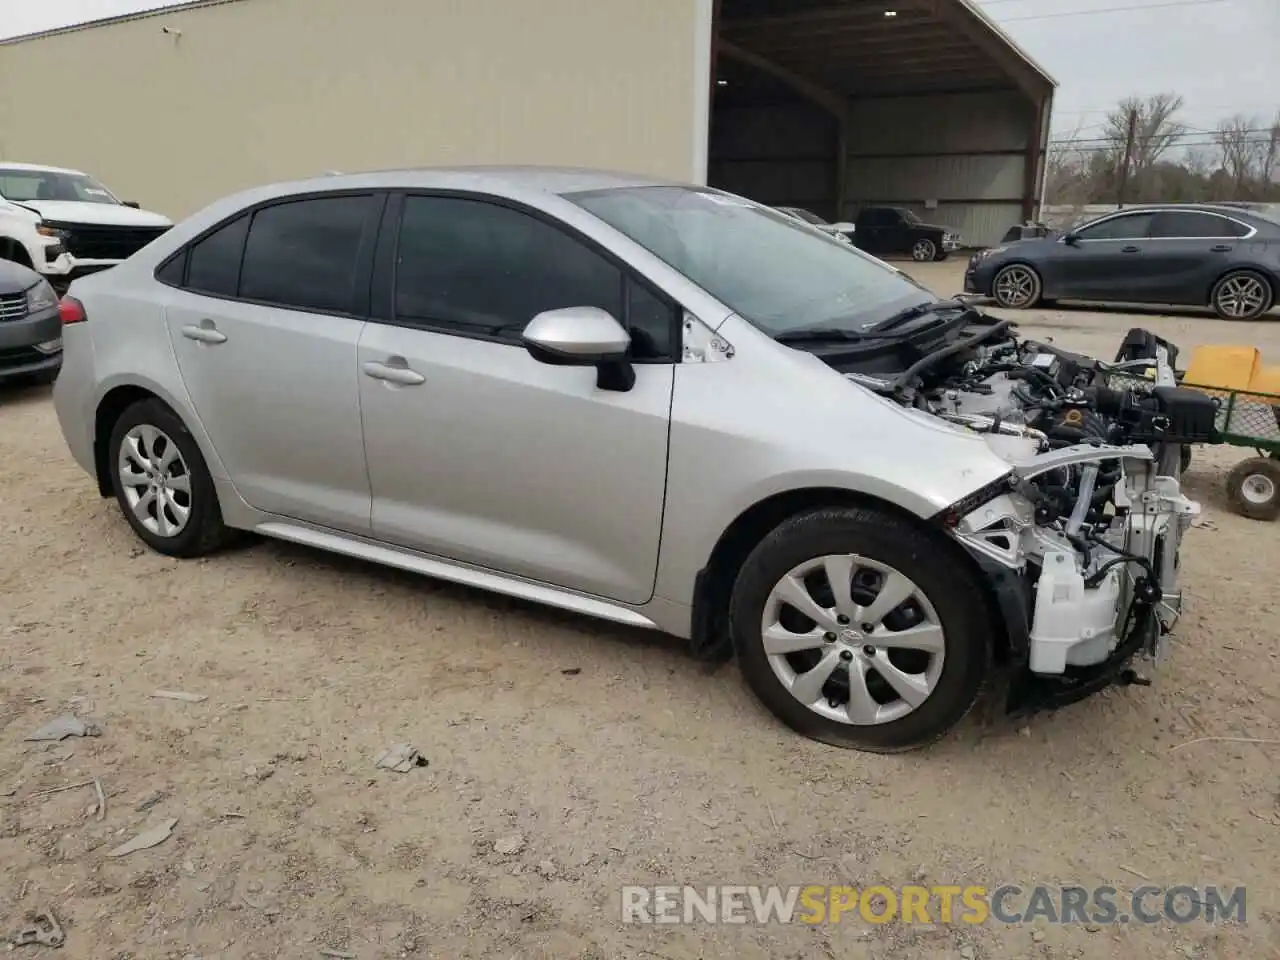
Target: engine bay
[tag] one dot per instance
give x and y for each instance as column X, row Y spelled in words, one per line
column 1091, row 516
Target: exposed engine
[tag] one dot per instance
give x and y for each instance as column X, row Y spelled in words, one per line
column 1091, row 515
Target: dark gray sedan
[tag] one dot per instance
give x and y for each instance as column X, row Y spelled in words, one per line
column 1226, row 258
column 30, row 329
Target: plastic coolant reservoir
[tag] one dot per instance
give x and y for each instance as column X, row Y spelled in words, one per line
column 1011, row 448
column 1071, row 624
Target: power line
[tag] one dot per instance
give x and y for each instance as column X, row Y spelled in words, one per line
column 1214, row 135
column 1097, row 10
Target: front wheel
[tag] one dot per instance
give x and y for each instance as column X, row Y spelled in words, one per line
column 1017, row 287
column 924, row 250
column 855, row 629
column 1242, row 295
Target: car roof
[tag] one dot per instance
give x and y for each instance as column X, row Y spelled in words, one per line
column 541, row 179
column 1223, row 208
column 39, row 168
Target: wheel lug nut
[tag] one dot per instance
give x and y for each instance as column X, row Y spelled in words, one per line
column 841, row 618
column 829, row 637
column 846, row 655
column 869, row 650
column 868, row 627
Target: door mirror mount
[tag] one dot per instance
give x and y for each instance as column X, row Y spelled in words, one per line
column 1070, row 239
column 131, row 203
column 583, row 337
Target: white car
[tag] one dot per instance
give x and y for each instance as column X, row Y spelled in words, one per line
column 64, row 223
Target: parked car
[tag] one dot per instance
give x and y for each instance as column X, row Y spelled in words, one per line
column 30, row 331
column 897, row 231
column 841, row 231
column 64, row 224
column 1187, row 255
column 651, row 403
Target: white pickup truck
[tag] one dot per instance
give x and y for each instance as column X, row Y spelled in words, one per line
column 64, row 223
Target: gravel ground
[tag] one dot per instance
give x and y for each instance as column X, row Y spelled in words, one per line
column 568, row 757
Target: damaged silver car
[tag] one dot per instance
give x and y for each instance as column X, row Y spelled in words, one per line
column 651, row 403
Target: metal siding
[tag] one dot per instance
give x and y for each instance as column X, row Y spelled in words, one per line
column 907, row 150
column 779, row 155
column 264, row 90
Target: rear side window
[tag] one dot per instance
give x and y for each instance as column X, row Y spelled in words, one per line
column 303, row 254
column 1192, row 223
column 214, row 262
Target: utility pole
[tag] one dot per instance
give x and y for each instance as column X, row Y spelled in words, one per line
column 1130, row 136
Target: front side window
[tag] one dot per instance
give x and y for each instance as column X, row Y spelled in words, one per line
column 303, row 253
column 1193, row 224
column 774, row 272
column 488, row 270
column 21, row 185
column 1133, row 226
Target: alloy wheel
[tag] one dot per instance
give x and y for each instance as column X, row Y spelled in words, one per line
column 1242, row 296
column 1015, row 287
column 923, row 251
column 854, row 640
column 155, row 480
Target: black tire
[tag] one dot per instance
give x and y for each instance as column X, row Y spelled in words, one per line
column 871, row 534
column 204, row 531
column 1184, row 458
column 924, row 250
column 1248, row 479
column 1005, row 298
column 1218, row 298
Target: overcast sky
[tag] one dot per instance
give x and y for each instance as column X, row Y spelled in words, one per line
column 1223, row 56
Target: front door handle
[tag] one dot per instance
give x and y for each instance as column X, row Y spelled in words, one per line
column 205, row 333
column 1130, row 249
column 393, row 373
column 1222, row 248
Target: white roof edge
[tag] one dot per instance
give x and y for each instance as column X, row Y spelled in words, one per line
column 160, row 9
column 38, row 168
column 973, row 7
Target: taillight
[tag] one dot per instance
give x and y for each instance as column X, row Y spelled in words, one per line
column 71, row 310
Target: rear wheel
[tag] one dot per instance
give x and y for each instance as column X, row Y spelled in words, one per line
column 924, row 250
column 1253, row 487
column 1242, row 295
column 1017, row 287
column 162, row 483
column 856, row 630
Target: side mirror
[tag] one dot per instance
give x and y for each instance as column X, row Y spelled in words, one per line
column 132, row 203
column 843, row 227
column 582, row 337
column 1070, row 239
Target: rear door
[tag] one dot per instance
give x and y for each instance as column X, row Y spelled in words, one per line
column 481, row 454
column 264, row 326
column 1188, row 251
column 1106, row 262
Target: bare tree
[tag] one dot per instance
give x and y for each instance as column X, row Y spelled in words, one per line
column 1271, row 165
column 1155, row 130
column 1244, row 153
column 1065, row 178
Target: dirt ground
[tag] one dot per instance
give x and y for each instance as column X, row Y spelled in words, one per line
column 568, row 757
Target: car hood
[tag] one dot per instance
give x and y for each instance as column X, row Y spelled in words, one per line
column 933, row 226
column 15, row 278
column 99, row 214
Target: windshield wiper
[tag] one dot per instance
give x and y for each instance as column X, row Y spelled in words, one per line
column 820, row 335
column 919, row 310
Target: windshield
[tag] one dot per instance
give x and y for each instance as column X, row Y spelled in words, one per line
column 774, row 272
column 909, row 215
column 25, row 185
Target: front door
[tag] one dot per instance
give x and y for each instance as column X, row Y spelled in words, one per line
column 1106, row 261
column 267, row 352
column 479, row 453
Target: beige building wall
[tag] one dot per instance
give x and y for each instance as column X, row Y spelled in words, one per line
column 178, row 108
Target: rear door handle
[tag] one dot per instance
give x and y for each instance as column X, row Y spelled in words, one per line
column 1222, row 248
column 393, row 373
column 1130, row 249
column 205, row 333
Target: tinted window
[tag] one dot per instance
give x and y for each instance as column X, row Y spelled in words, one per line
column 172, row 271
column 215, row 260
column 652, row 321
column 488, row 269
column 1191, row 223
column 303, row 253
column 1131, row 227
